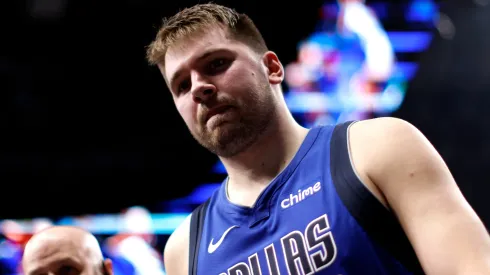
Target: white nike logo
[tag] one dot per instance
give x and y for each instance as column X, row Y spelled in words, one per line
column 212, row 247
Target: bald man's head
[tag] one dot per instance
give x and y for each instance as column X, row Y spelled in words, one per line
column 63, row 250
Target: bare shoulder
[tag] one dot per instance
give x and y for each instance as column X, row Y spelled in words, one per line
column 385, row 135
column 381, row 140
column 176, row 252
column 383, row 126
column 375, row 142
column 384, row 139
column 392, row 153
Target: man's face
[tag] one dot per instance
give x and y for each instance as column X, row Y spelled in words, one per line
column 221, row 89
column 55, row 257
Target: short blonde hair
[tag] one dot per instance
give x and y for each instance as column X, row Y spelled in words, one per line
column 200, row 18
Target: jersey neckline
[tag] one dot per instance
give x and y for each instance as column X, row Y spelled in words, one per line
column 261, row 208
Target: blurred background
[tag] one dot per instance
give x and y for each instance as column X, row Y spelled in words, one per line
column 91, row 136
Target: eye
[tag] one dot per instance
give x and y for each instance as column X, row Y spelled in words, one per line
column 183, row 86
column 217, row 65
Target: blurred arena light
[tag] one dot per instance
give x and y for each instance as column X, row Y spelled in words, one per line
column 162, row 223
column 445, row 26
column 421, row 11
column 482, row 2
column 137, row 220
column 40, row 224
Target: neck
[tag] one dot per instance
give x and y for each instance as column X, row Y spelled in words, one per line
column 252, row 170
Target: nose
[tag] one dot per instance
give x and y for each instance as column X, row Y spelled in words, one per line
column 202, row 89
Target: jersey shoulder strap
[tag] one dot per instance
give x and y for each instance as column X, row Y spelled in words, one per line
column 196, row 225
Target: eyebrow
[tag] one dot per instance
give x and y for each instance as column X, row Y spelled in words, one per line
column 60, row 262
column 199, row 58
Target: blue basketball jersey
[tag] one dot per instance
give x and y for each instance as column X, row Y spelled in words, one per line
column 315, row 217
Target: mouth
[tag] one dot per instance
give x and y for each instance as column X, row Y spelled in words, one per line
column 217, row 110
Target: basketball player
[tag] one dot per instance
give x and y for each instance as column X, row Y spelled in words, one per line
column 365, row 197
column 61, row 250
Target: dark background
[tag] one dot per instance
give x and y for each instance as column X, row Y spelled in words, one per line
column 87, row 124
column 88, row 127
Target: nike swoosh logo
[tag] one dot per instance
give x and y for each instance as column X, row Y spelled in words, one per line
column 212, row 247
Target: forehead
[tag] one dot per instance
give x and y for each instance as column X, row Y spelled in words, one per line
column 197, row 44
column 51, row 252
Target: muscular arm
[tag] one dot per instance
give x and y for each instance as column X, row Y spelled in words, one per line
column 176, row 252
column 417, row 186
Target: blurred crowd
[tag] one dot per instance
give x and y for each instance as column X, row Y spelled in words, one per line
column 134, row 250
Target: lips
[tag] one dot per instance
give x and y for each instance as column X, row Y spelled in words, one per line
column 217, row 110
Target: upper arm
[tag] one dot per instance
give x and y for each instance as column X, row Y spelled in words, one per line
column 400, row 162
column 176, row 252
